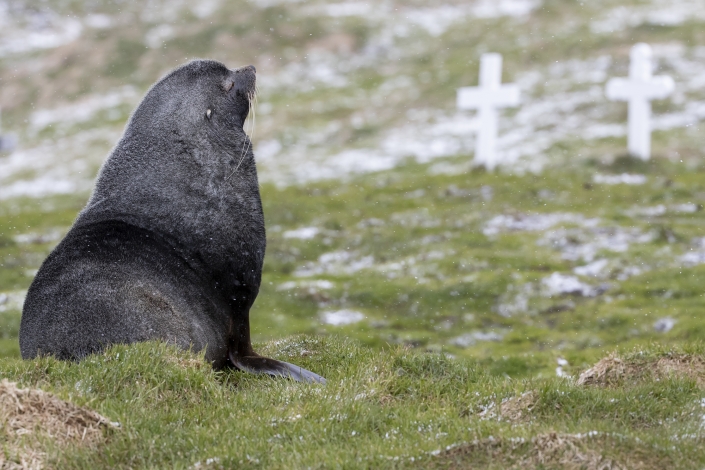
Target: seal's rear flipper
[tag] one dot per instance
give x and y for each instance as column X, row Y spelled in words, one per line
column 264, row 365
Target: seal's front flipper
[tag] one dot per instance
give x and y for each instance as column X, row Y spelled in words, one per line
column 264, row 365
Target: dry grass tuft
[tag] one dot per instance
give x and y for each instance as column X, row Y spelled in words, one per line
column 514, row 409
column 613, row 370
column 684, row 365
column 518, row 408
column 27, row 415
column 550, row 450
column 566, row 450
column 188, row 362
column 606, row 372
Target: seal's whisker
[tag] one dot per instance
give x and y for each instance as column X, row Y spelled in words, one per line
column 249, row 141
column 246, row 144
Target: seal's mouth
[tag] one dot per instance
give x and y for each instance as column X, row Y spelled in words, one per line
column 244, row 81
column 241, row 85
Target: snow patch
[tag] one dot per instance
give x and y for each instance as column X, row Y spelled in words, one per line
column 656, row 12
column 624, row 178
column 558, row 284
column 12, row 300
column 41, row 29
column 313, row 284
column 39, row 238
column 594, row 269
column 470, row 339
column 303, row 233
column 532, row 222
column 664, row 325
column 83, row 110
column 342, row 317
column 336, row 262
column 156, row 36
column 586, row 242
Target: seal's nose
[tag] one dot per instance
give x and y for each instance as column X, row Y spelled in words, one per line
column 247, row 68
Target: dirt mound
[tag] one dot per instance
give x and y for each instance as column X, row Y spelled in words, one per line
column 513, row 409
column 26, row 414
column 613, row 370
column 550, row 450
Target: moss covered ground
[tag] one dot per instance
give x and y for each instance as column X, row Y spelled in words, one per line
column 450, row 316
column 392, row 409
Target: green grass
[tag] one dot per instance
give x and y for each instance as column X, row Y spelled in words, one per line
column 389, row 408
column 399, row 380
column 432, row 275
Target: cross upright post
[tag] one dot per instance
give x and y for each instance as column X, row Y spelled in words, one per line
column 7, row 142
column 638, row 90
column 487, row 98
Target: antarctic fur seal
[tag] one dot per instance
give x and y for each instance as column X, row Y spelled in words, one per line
column 171, row 243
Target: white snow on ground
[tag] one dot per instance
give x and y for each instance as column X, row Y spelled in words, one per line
column 696, row 255
column 693, row 258
column 558, row 284
column 12, row 300
column 40, row 187
column 515, row 300
column 318, row 284
column 336, row 262
column 655, row 12
column 38, row 238
column 60, row 166
column 660, row 209
column 563, row 102
column 496, row 8
column 303, row 233
column 435, row 20
column 156, row 36
column 205, row 8
column 624, row 178
column 63, row 165
column 594, row 269
column 84, row 109
column 469, row 339
column 98, row 21
column 561, row 364
column 585, row 243
column 533, row 222
column 342, row 317
column 40, row 29
column 664, row 325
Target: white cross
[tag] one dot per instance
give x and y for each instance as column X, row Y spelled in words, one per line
column 639, row 89
column 486, row 98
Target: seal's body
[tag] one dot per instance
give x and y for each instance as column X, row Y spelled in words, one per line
column 171, row 243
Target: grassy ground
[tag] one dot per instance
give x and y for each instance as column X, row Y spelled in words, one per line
column 380, row 409
column 457, row 318
column 425, row 259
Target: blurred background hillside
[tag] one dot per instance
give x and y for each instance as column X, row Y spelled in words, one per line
column 378, row 226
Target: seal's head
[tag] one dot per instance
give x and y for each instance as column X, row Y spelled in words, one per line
column 184, row 151
column 199, row 95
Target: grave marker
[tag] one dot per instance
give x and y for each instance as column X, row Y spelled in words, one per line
column 487, row 98
column 7, row 141
column 639, row 89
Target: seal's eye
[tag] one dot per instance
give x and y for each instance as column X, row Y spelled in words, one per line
column 208, row 114
column 229, row 85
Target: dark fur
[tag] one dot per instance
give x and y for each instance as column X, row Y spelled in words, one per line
column 171, row 243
